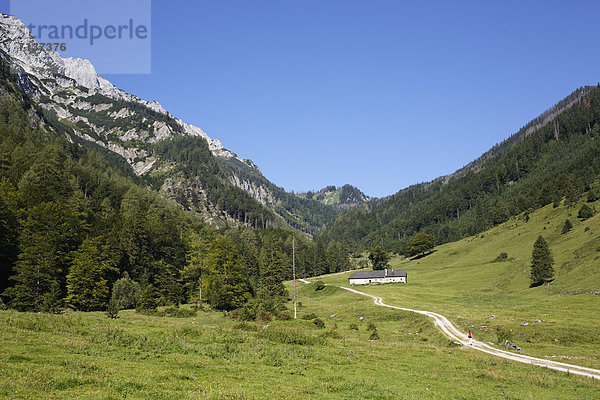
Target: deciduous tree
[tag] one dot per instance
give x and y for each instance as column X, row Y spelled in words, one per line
column 379, row 258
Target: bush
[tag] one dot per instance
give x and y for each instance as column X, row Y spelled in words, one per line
column 283, row 316
column 353, row 327
column 309, row 316
column 245, row 326
column 585, row 212
column 263, row 316
column 112, row 309
column 502, row 257
column 319, row 323
column 126, row 292
column 592, row 196
column 567, row 226
column 374, row 335
column 179, row 312
column 332, row 333
column 503, row 335
column 148, row 299
column 53, row 302
column 319, row 285
column 371, row 327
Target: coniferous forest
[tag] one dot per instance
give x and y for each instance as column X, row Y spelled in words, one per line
column 79, row 229
column 554, row 158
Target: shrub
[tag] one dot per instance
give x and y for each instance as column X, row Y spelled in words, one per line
column 353, row 327
column 567, row 226
column 148, row 299
column 112, row 309
column 319, row 323
column 283, row 316
column 371, row 327
column 245, row 326
column 332, row 333
column 126, row 292
column 585, row 212
column 592, row 196
column 53, row 302
column 374, row 335
column 502, row 257
column 263, row 316
column 319, row 285
column 309, row 316
column 503, row 335
column 287, row 336
column 179, row 312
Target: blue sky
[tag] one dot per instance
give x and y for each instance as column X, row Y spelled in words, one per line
column 378, row 94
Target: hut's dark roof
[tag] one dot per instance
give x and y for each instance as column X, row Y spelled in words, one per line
column 382, row 273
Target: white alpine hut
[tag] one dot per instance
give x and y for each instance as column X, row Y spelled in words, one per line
column 379, row 276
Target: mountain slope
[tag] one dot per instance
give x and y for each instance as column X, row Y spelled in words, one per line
column 150, row 139
column 553, row 157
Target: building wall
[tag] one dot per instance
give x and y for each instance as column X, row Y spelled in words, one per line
column 388, row 279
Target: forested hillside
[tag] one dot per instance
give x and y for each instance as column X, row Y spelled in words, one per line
column 307, row 215
column 75, row 218
column 555, row 157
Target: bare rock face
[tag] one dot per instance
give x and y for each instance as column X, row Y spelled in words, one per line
column 98, row 112
column 72, row 87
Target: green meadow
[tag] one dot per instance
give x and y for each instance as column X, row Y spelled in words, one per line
column 468, row 282
column 362, row 352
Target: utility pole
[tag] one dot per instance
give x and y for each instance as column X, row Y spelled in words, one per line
column 294, row 271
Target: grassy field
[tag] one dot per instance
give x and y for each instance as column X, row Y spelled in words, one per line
column 463, row 281
column 212, row 356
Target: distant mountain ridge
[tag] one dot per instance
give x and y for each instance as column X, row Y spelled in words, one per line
column 341, row 198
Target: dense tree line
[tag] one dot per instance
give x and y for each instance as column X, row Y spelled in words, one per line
column 78, row 228
column 542, row 164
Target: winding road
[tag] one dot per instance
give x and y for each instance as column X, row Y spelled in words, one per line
column 456, row 335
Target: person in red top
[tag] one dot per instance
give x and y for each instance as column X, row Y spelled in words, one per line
column 470, row 339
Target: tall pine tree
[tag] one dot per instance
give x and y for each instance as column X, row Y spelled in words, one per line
column 541, row 262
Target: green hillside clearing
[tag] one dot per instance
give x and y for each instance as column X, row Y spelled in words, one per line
column 470, row 284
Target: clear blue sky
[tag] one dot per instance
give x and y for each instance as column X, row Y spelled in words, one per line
column 378, row 94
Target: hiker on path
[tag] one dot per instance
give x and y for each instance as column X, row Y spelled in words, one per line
column 470, row 338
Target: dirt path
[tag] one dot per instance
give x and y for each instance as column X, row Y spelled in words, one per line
column 456, row 335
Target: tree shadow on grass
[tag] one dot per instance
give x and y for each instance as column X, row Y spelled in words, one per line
column 536, row 284
column 419, row 256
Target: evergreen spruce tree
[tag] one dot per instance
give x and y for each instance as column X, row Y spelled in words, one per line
column 541, row 262
column 148, row 299
column 87, row 281
column 337, row 258
column 225, row 282
column 273, row 265
column 585, row 212
column 46, row 239
column 567, row 226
